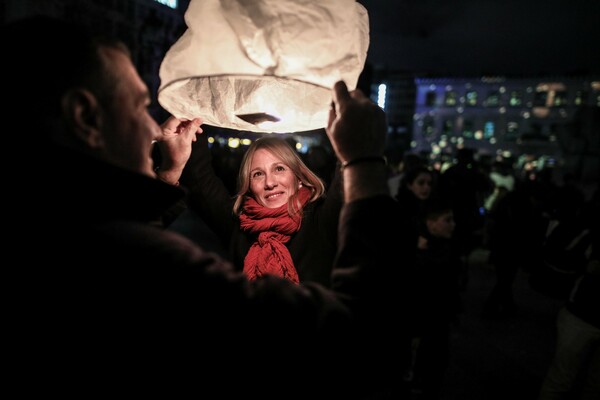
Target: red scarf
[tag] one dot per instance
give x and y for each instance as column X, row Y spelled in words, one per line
column 269, row 254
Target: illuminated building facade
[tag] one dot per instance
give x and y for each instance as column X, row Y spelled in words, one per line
column 550, row 122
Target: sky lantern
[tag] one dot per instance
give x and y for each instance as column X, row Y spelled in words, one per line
column 263, row 65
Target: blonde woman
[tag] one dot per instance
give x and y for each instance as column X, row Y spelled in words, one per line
column 281, row 221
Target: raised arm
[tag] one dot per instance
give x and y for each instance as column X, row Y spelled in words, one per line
column 356, row 129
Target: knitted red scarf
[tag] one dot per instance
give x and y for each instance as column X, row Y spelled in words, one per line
column 269, row 254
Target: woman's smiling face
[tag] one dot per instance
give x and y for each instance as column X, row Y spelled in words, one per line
column 271, row 181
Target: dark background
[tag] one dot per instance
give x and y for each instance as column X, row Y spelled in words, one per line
column 483, row 37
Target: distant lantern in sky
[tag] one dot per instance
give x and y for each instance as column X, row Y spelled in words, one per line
column 264, row 65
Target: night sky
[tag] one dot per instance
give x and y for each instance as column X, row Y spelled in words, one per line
column 491, row 37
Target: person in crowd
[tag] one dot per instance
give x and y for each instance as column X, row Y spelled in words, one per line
column 321, row 160
column 574, row 372
column 466, row 185
column 408, row 162
column 436, row 300
column 109, row 301
column 413, row 194
column 415, row 189
column 563, row 252
column 281, row 221
column 515, row 230
column 502, row 178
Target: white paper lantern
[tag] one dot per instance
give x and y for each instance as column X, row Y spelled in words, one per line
column 263, row 65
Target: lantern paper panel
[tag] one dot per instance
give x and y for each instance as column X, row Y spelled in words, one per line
column 263, row 65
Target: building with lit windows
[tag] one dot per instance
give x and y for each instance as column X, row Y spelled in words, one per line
column 537, row 122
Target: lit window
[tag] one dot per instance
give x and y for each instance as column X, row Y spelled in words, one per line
column 468, row 130
column 428, row 127
column 580, row 97
column 515, row 98
column 560, row 98
column 448, row 127
column 471, row 98
column 488, row 130
column 493, row 99
column 451, row 98
column 430, row 98
column 512, row 131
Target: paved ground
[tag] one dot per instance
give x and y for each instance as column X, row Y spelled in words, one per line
column 500, row 359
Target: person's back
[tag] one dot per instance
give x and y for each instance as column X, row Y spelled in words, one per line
column 110, row 302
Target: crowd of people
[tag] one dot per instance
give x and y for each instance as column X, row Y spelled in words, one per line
column 526, row 223
column 320, row 281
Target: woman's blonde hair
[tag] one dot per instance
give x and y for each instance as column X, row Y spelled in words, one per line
column 282, row 150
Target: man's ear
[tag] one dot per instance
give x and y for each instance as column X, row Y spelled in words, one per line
column 82, row 114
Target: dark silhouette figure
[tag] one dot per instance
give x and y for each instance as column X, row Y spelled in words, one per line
column 516, row 228
column 436, row 299
column 465, row 185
